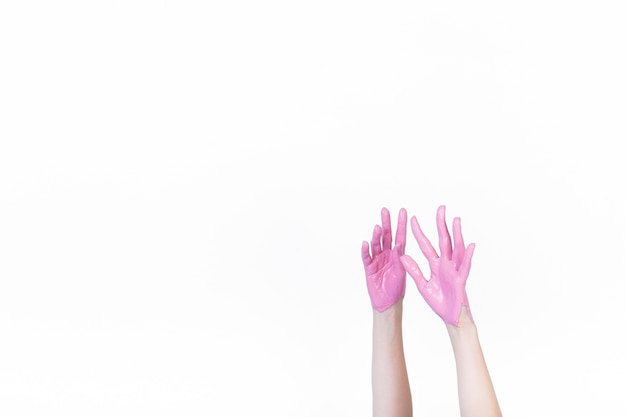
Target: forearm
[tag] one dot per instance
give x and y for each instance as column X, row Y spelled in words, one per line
column 477, row 397
column 390, row 382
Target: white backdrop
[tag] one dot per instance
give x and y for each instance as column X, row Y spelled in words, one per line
column 184, row 188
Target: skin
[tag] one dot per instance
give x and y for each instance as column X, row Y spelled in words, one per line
column 386, row 283
column 445, row 294
column 477, row 397
column 390, row 381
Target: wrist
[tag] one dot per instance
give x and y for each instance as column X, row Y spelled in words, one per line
column 387, row 325
column 464, row 325
column 393, row 313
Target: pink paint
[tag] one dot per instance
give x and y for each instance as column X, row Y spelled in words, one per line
column 384, row 274
column 445, row 290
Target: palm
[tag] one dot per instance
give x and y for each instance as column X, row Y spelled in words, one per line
column 445, row 290
column 386, row 278
column 384, row 274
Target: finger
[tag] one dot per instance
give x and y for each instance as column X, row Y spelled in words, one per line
column 401, row 231
column 414, row 271
column 445, row 246
column 422, row 241
column 365, row 253
column 459, row 246
column 376, row 249
column 466, row 264
column 386, row 222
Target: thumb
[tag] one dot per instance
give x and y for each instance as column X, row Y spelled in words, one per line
column 398, row 268
column 466, row 264
column 414, row 271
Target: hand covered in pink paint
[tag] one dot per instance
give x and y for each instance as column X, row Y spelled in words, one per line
column 384, row 274
column 445, row 291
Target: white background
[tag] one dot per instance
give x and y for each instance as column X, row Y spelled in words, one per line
column 184, row 188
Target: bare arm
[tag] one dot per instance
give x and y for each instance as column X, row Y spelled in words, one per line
column 390, row 382
column 477, row 398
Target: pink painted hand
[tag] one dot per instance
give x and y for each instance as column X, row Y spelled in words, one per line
column 445, row 291
column 384, row 274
